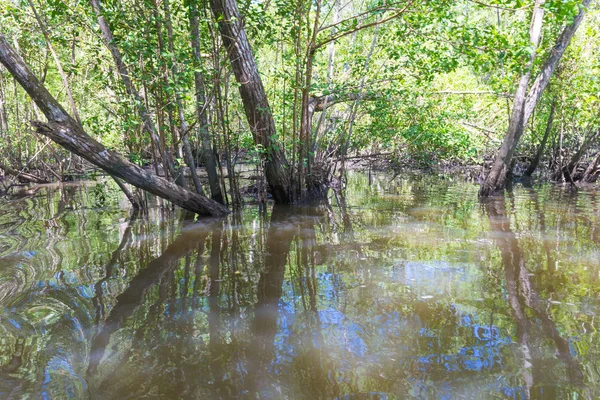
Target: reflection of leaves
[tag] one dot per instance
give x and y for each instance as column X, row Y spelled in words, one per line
column 100, row 194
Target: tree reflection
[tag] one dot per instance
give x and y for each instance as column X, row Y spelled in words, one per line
column 133, row 297
column 523, row 298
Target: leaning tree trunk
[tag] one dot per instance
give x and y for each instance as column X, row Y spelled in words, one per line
column 256, row 105
column 590, row 172
column 569, row 170
column 68, row 133
column 523, row 106
column 540, row 151
column 496, row 178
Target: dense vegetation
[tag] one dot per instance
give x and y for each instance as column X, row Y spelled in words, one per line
column 419, row 82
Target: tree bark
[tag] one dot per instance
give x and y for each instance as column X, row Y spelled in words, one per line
column 496, row 178
column 559, row 48
column 523, row 106
column 68, row 133
column 569, row 171
column 590, row 171
column 256, row 104
column 540, row 151
column 3, row 116
column 208, row 155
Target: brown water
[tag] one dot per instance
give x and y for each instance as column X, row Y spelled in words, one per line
column 405, row 290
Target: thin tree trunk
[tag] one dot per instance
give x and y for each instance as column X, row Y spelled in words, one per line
column 523, row 106
column 590, row 171
column 256, row 104
column 67, row 86
column 354, row 107
column 296, row 189
column 307, row 178
column 540, row 151
column 68, row 133
column 331, row 57
column 63, row 76
column 569, row 170
column 208, row 155
column 135, row 203
column 143, row 113
column 3, row 116
column 164, row 98
column 184, row 129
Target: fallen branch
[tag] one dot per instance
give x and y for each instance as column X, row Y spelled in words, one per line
column 22, row 175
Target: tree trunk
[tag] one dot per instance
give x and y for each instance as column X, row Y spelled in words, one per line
column 308, row 180
column 183, row 126
column 208, row 155
column 135, row 203
column 559, row 48
column 256, row 104
column 22, row 175
column 496, row 178
column 540, row 151
column 148, row 125
column 63, row 76
column 523, row 106
column 69, row 134
column 590, row 172
column 569, row 170
column 3, row 116
column 163, row 97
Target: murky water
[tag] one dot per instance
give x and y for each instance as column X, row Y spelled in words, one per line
column 405, row 290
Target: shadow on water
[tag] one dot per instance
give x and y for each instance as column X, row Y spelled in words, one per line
column 404, row 289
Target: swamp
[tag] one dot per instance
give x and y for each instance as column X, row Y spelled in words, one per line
column 307, row 199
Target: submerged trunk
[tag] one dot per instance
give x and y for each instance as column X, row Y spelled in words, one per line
column 208, row 155
column 254, row 98
column 540, row 151
column 68, row 133
column 523, row 105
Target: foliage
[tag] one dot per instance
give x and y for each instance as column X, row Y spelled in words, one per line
column 411, row 73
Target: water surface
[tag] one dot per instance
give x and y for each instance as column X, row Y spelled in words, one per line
column 403, row 289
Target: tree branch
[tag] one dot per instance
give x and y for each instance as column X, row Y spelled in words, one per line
column 361, row 27
column 322, row 103
column 481, row 3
